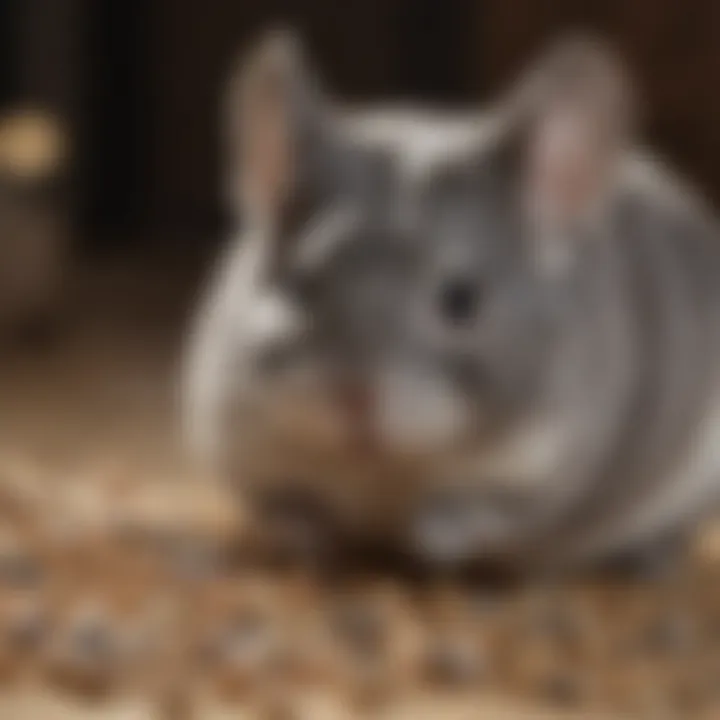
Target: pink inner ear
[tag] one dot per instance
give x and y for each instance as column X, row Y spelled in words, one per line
column 565, row 164
column 268, row 155
column 265, row 142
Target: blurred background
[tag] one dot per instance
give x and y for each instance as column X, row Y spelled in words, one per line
column 110, row 211
column 137, row 83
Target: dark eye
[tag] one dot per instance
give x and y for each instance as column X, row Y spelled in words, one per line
column 459, row 300
column 304, row 286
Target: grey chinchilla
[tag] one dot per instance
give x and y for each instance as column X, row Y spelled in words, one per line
column 492, row 333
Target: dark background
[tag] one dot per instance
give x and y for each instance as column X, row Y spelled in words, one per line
column 138, row 82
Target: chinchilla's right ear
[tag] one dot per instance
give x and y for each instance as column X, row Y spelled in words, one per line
column 568, row 122
column 277, row 132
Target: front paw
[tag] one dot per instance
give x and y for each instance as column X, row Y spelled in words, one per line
column 457, row 526
column 292, row 526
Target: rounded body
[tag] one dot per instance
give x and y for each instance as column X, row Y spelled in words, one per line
column 485, row 335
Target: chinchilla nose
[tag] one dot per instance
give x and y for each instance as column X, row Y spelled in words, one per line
column 354, row 399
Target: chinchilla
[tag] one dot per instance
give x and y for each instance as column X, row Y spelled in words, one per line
column 488, row 334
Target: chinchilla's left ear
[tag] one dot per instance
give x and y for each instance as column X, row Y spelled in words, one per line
column 571, row 118
column 276, row 124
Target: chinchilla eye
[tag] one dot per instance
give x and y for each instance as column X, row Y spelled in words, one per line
column 459, row 300
column 304, row 286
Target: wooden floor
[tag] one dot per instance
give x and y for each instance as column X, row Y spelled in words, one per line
column 96, row 411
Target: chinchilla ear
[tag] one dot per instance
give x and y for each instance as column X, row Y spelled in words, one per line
column 568, row 122
column 276, row 125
